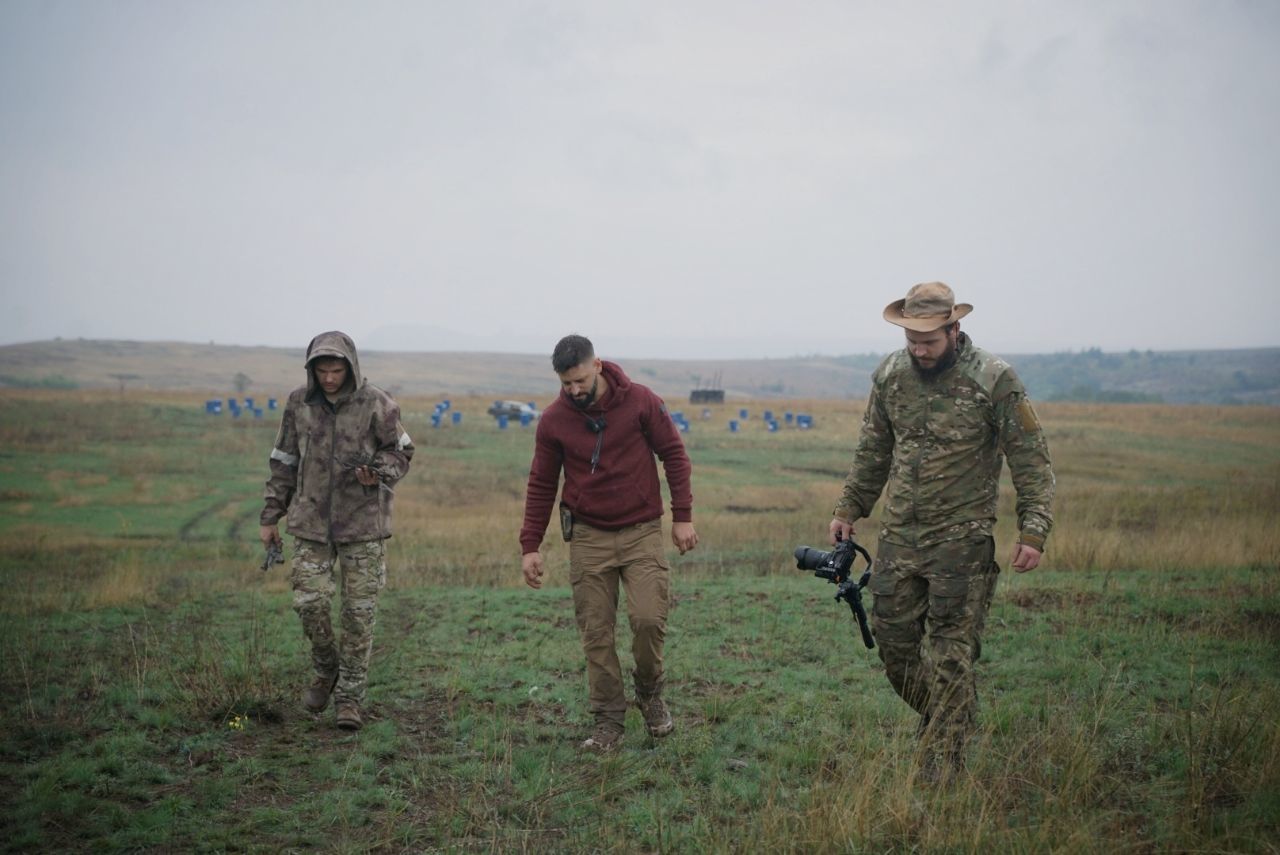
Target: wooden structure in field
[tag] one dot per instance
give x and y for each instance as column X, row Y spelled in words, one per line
column 712, row 393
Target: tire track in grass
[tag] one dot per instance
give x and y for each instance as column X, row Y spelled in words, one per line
column 187, row 530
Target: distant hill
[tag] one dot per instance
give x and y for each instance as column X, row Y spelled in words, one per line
column 1249, row 376
column 1207, row 376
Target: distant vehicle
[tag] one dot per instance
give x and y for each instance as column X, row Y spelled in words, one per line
column 513, row 409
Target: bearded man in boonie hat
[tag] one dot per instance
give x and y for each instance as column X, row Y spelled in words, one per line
column 942, row 416
column 928, row 308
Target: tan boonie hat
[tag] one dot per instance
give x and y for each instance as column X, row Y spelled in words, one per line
column 927, row 307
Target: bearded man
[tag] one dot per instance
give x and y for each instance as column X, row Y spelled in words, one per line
column 942, row 416
column 604, row 432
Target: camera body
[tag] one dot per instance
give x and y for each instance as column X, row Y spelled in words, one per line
column 836, row 567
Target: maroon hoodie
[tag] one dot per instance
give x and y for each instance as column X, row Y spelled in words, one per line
column 623, row 490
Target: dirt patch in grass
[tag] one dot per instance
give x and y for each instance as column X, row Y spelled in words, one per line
column 1046, row 601
column 1263, row 623
column 424, row 719
column 746, row 509
column 1249, row 623
column 817, row 470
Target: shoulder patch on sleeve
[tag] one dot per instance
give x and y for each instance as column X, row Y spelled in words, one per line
column 1027, row 416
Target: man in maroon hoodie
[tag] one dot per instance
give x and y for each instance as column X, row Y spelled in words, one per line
column 603, row 432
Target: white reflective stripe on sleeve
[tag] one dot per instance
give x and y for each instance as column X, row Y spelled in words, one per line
column 403, row 441
column 286, row 459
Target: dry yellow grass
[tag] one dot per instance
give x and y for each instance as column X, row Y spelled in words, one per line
column 1139, row 488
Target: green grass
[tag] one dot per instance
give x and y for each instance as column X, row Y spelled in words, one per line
column 117, row 731
column 1130, row 688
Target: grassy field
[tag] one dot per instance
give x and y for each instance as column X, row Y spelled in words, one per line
column 1131, row 686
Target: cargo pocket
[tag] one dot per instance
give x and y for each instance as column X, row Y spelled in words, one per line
column 882, row 585
column 948, row 599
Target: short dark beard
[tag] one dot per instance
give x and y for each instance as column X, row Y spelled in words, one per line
column 591, row 396
column 944, row 362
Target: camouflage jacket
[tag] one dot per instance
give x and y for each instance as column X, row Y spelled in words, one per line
column 939, row 444
column 319, row 446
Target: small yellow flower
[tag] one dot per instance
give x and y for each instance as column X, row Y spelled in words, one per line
column 238, row 722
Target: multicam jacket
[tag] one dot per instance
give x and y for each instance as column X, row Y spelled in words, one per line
column 321, row 443
column 939, row 443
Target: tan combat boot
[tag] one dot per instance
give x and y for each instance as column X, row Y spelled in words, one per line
column 605, row 739
column 657, row 718
column 349, row 715
column 316, row 697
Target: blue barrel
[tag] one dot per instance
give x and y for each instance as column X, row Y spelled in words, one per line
column 248, row 403
column 457, row 417
column 271, row 403
column 768, row 415
column 772, row 425
column 525, row 418
column 435, row 420
column 733, row 426
column 788, row 416
column 446, row 404
column 502, row 422
column 257, row 412
column 742, row 414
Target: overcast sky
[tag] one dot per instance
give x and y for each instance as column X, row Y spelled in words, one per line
column 685, row 179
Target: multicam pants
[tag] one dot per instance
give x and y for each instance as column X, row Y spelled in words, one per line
column 598, row 561
column 930, row 607
column 362, row 568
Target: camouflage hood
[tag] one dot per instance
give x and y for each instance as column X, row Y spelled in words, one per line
column 333, row 345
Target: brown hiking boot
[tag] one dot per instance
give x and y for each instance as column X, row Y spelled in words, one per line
column 605, row 738
column 316, row 697
column 349, row 715
column 657, row 718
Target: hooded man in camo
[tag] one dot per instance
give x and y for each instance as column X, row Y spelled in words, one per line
column 340, row 450
column 942, row 416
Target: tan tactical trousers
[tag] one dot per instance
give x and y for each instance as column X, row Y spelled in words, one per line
column 598, row 560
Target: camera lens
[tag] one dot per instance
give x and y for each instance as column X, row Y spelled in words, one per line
column 808, row 558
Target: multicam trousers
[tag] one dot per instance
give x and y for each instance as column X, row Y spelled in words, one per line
column 362, row 568
column 598, row 561
column 930, row 607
